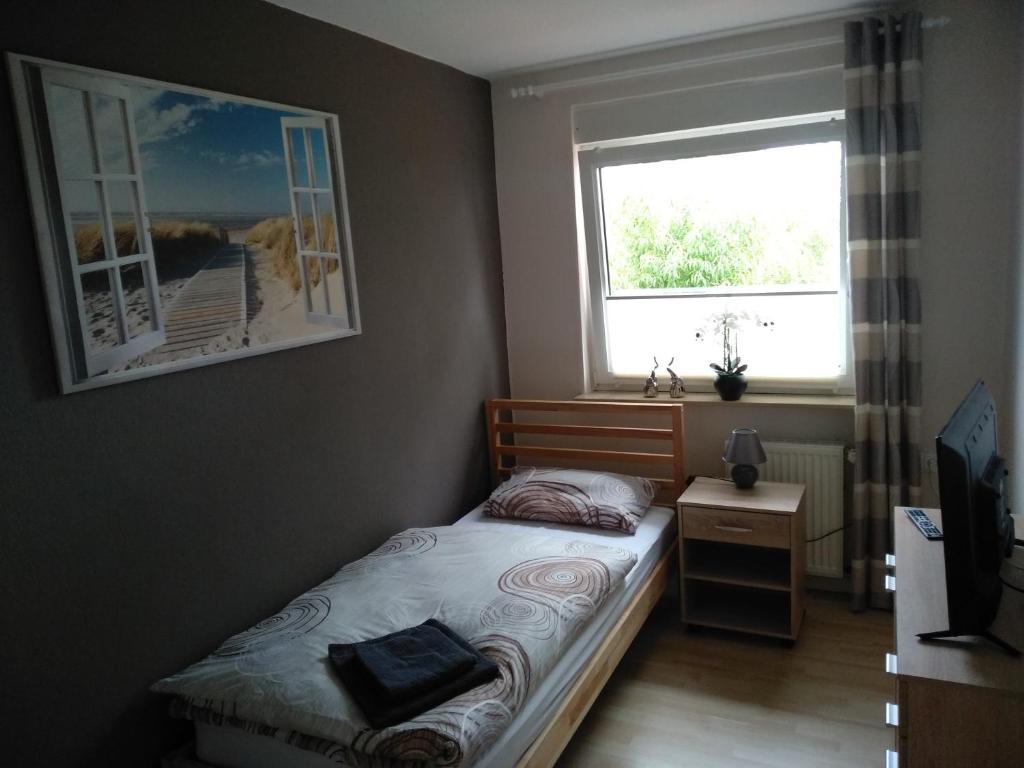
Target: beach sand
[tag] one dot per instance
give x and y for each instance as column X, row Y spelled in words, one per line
column 274, row 312
column 282, row 314
column 99, row 309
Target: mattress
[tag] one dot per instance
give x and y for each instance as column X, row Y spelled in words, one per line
column 234, row 748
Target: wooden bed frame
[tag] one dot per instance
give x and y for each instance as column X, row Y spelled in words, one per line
column 504, row 449
column 503, row 431
column 499, row 447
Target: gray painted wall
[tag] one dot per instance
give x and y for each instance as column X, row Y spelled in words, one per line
column 141, row 524
column 969, row 201
column 1015, row 347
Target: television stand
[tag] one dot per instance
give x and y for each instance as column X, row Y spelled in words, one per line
column 945, row 633
column 957, row 703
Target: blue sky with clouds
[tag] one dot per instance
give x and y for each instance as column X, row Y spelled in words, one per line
column 206, row 155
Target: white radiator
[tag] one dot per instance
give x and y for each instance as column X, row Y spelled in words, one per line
column 819, row 466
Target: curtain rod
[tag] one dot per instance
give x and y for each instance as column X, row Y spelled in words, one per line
column 537, row 91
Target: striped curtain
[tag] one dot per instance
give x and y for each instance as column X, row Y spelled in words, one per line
column 883, row 142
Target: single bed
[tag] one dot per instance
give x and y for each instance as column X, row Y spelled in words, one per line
column 555, row 708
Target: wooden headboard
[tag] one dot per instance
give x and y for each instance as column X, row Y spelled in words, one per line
column 505, row 446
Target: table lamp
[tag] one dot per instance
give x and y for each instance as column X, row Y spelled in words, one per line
column 744, row 452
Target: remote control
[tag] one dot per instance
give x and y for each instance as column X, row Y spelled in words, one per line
column 924, row 524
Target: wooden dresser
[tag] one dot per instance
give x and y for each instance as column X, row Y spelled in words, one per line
column 741, row 556
column 959, row 703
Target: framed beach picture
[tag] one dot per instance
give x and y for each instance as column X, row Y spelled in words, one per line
column 179, row 227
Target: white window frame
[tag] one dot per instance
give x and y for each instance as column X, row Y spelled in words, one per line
column 126, row 347
column 336, row 307
column 593, row 157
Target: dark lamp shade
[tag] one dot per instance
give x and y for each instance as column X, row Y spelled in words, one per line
column 745, row 448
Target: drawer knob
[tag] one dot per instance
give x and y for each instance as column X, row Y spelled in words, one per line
column 734, row 529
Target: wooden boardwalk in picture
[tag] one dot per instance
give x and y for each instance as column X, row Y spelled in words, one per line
column 210, row 304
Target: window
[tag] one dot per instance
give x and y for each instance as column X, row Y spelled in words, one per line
column 310, row 188
column 100, row 182
column 741, row 219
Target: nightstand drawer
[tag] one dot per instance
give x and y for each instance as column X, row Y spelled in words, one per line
column 754, row 528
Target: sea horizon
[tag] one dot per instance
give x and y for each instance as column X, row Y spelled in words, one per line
column 225, row 219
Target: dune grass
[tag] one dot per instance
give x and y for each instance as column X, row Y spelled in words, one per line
column 172, row 240
column 275, row 235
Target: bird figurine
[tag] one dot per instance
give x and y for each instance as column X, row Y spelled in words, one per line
column 676, row 386
column 651, row 385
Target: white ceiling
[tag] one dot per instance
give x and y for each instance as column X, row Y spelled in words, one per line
column 488, row 37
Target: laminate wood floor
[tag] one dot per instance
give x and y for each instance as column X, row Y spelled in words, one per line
column 711, row 699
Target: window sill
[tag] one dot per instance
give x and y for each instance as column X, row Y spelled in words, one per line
column 712, row 398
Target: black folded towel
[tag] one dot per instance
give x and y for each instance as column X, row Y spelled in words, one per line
column 413, row 661
column 370, row 685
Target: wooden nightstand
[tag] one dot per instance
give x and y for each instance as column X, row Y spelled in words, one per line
column 741, row 556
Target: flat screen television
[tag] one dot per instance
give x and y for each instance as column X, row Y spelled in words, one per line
column 976, row 524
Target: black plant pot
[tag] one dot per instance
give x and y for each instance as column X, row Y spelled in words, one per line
column 730, row 386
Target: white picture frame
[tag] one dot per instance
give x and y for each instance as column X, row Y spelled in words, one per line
column 137, row 284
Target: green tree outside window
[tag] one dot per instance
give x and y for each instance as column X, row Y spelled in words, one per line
column 677, row 251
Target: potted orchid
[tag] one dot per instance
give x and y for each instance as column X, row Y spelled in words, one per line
column 730, row 383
